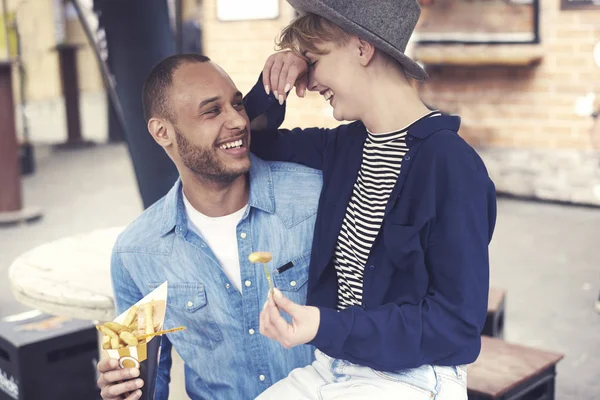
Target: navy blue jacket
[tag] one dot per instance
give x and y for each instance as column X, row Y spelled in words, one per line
column 426, row 282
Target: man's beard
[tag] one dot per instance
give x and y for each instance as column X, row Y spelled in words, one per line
column 204, row 162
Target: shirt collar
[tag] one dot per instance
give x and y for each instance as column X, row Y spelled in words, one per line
column 262, row 196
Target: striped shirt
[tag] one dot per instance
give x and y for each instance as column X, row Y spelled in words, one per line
column 382, row 159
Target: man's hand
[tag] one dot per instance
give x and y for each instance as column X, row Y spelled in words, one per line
column 304, row 326
column 283, row 71
column 115, row 382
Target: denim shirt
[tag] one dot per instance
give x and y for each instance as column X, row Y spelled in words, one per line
column 225, row 355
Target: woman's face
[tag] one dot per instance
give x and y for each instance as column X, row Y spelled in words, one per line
column 336, row 76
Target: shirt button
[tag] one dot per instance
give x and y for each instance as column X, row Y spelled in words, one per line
column 243, row 235
column 371, row 267
column 293, row 283
column 190, row 304
column 262, row 378
column 227, row 286
column 251, row 331
column 407, row 158
column 248, row 283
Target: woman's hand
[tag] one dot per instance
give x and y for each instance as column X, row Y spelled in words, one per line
column 304, row 326
column 283, row 71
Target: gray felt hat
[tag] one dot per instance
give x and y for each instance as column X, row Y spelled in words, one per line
column 386, row 24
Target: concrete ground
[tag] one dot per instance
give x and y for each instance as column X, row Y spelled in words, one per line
column 546, row 256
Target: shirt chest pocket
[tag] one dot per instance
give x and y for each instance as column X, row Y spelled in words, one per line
column 402, row 244
column 291, row 278
column 187, row 305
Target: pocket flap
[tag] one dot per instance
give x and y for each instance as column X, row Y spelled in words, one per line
column 189, row 296
column 293, row 278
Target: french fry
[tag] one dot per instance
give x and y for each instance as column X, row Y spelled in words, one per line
column 131, row 316
column 260, row 257
column 133, row 326
column 128, row 338
column 149, row 318
column 106, row 342
column 115, row 327
column 108, row 332
column 115, row 343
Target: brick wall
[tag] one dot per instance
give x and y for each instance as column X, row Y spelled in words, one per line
column 242, row 47
column 523, row 119
column 528, row 107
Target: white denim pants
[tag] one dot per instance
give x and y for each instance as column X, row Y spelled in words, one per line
column 328, row 378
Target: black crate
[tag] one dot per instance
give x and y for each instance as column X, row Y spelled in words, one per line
column 45, row 357
column 494, row 321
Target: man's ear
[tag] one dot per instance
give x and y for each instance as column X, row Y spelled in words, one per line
column 158, row 128
column 366, row 52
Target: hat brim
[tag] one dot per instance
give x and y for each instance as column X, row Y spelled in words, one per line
column 411, row 68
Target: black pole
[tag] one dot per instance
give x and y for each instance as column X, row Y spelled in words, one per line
column 178, row 26
column 10, row 176
column 26, row 156
column 67, row 60
column 116, row 131
column 139, row 35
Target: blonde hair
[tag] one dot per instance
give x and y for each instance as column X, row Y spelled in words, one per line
column 304, row 33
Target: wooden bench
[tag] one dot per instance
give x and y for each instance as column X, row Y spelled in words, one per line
column 494, row 322
column 506, row 371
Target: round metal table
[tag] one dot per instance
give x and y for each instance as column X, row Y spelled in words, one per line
column 69, row 276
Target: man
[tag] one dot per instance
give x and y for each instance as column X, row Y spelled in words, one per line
column 226, row 205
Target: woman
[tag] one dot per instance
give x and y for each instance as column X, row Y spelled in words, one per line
column 399, row 271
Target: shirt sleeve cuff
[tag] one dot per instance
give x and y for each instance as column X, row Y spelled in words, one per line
column 258, row 102
column 328, row 334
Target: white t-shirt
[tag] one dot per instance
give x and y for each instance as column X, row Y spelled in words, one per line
column 220, row 235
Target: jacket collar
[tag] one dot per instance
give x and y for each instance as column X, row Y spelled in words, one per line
column 428, row 126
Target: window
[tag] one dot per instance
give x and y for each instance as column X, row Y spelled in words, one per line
column 579, row 4
column 478, row 22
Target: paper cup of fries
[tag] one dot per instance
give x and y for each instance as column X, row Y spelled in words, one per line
column 134, row 337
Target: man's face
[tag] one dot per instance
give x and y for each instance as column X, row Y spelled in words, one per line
column 212, row 134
